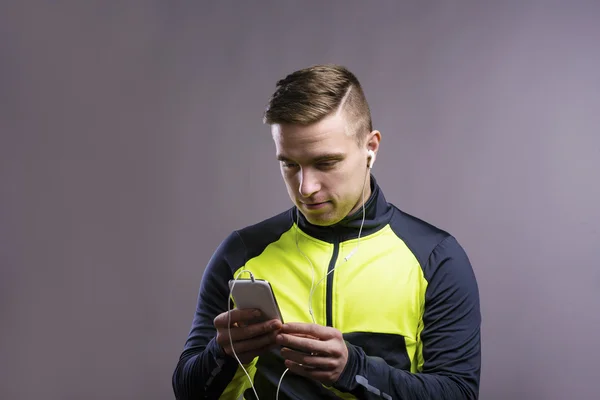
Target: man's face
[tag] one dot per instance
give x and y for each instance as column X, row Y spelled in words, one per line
column 323, row 168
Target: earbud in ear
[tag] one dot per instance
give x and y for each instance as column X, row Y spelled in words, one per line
column 371, row 158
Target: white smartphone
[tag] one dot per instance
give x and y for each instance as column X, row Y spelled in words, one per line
column 258, row 294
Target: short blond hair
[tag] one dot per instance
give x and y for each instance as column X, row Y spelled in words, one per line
column 308, row 95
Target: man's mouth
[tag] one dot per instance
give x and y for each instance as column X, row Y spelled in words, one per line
column 315, row 206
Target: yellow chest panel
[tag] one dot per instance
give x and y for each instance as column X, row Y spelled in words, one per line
column 380, row 288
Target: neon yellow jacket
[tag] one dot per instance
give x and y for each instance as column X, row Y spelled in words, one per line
column 406, row 302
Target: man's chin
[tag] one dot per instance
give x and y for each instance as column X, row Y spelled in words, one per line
column 322, row 220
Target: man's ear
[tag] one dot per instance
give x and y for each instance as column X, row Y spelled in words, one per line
column 373, row 141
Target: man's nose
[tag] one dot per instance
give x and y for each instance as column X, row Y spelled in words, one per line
column 309, row 183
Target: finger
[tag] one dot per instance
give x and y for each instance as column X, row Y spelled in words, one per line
column 254, row 330
column 226, row 319
column 313, row 360
column 309, row 372
column 305, row 336
column 314, row 330
column 302, row 344
column 225, row 336
column 250, row 355
column 251, row 345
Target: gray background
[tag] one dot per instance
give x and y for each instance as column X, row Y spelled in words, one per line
column 132, row 144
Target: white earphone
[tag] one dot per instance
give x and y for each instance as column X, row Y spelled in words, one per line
column 371, row 157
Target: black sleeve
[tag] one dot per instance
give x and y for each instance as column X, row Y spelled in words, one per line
column 204, row 370
column 451, row 345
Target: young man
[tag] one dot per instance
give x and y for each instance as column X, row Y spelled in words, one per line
column 376, row 303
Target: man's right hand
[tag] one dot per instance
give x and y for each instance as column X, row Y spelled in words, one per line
column 249, row 339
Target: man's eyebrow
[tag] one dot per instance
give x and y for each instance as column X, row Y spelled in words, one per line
column 321, row 157
column 329, row 156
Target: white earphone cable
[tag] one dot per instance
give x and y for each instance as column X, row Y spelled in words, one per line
column 313, row 286
column 229, row 328
column 349, row 254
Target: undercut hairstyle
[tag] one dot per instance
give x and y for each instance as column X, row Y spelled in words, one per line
column 308, row 95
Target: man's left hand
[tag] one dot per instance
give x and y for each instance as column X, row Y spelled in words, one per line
column 314, row 351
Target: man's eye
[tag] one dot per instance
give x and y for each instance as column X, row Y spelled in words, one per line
column 327, row 164
column 289, row 165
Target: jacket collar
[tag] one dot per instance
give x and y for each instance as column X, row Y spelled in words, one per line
column 378, row 213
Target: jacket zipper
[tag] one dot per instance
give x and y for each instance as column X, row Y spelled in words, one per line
column 329, row 292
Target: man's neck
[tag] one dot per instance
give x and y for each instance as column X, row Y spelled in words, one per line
column 363, row 199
